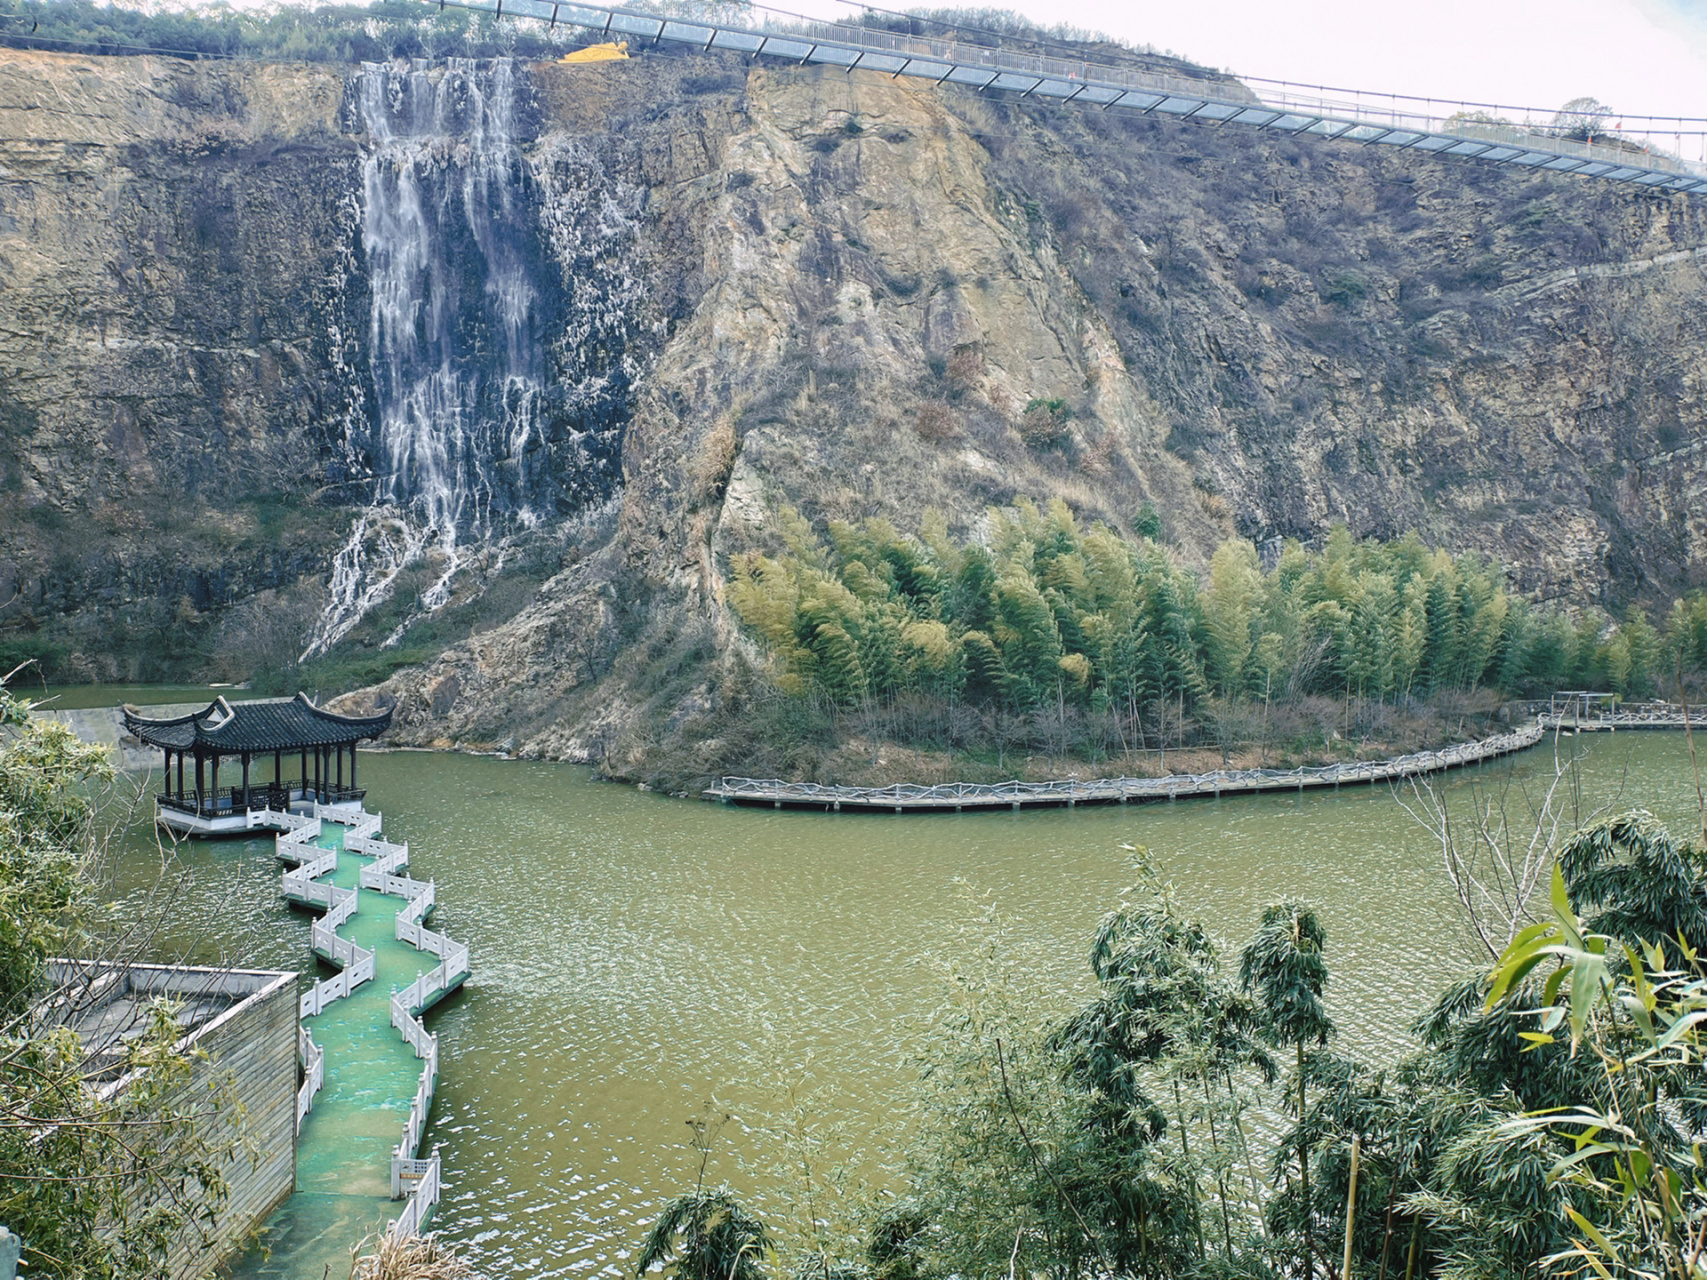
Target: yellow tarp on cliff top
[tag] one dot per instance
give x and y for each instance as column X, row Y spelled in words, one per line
column 598, row 53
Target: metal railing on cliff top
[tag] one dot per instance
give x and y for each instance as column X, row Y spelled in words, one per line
column 1460, row 130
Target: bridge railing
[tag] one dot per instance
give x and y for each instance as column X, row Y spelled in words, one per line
column 417, row 909
column 386, row 856
column 426, row 1046
column 312, row 1058
column 418, row 1179
column 373, row 876
column 302, row 883
column 426, row 1177
column 347, row 980
column 1426, row 124
column 289, row 843
column 904, row 794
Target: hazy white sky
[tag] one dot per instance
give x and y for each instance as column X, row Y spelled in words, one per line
column 1639, row 56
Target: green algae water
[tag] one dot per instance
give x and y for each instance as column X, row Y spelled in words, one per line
column 343, row 1169
column 635, row 957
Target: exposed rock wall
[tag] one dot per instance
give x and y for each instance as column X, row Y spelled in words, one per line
column 1259, row 335
column 859, row 297
column 174, row 247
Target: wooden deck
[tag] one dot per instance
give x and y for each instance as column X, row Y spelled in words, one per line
column 957, row 797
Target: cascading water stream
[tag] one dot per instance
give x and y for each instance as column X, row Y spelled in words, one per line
column 454, row 343
column 508, row 321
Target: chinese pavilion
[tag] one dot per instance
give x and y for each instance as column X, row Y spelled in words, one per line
column 246, row 734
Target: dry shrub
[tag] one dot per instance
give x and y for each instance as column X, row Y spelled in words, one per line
column 965, row 366
column 935, row 421
column 417, row 1258
column 1216, row 508
column 716, row 461
column 1044, row 424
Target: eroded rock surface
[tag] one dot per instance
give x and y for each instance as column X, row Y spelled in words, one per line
column 859, row 297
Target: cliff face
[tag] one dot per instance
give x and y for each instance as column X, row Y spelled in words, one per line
column 172, row 243
column 836, row 293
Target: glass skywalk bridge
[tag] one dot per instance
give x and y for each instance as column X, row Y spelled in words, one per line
column 1377, row 120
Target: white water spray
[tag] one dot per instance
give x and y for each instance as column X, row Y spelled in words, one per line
column 507, row 325
column 455, row 359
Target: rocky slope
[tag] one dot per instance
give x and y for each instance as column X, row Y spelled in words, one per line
column 853, row 297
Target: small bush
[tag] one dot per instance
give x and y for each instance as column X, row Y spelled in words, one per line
column 1148, row 523
column 935, row 421
column 1344, row 288
column 964, row 367
column 1044, row 424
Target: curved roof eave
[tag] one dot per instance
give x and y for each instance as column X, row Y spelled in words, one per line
column 263, row 725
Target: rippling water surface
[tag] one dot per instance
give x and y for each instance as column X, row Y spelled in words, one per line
column 636, row 956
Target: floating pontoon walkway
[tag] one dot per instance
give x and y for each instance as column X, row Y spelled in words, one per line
column 1641, row 718
column 368, row 1059
column 955, row 797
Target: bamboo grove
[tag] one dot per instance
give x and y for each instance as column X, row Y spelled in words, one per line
column 1046, row 614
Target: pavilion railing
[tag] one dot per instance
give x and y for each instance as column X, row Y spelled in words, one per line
column 228, row 801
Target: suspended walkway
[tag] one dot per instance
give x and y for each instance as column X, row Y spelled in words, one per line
column 956, row 797
column 1458, row 130
column 369, row 1065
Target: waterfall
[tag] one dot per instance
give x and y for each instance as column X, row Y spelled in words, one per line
column 486, row 419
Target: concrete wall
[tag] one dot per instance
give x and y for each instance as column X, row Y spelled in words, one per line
column 254, row 1046
column 251, row 1058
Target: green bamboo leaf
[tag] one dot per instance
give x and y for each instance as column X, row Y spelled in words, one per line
column 1600, row 1242
column 1677, row 1028
column 1562, row 909
column 1564, row 1166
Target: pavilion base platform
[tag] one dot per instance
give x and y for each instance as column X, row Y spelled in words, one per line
column 231, row 813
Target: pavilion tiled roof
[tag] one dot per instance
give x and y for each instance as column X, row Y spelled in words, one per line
column 266, row 724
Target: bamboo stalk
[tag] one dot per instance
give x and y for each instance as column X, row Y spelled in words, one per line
column 1351, row 1206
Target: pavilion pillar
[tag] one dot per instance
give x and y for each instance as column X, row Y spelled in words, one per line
column 201, row 782
column 340, row 750
column 166, row 767
column 180, row 775
column 303, row 773
column 245, row 780
column 352, row 766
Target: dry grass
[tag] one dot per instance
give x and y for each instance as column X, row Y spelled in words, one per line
column 418, row 1258
column 716, row 460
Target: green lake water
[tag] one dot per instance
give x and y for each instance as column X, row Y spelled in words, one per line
column 343, row 1163
column 636, row 956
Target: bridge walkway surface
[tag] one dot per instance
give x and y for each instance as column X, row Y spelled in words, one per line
column 1455, row 130
column 366, row 1083
column 956, row 797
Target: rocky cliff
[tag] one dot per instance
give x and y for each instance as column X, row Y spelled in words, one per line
column 767, row 287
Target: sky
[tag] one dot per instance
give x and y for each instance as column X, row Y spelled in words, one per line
column 1646, row 57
